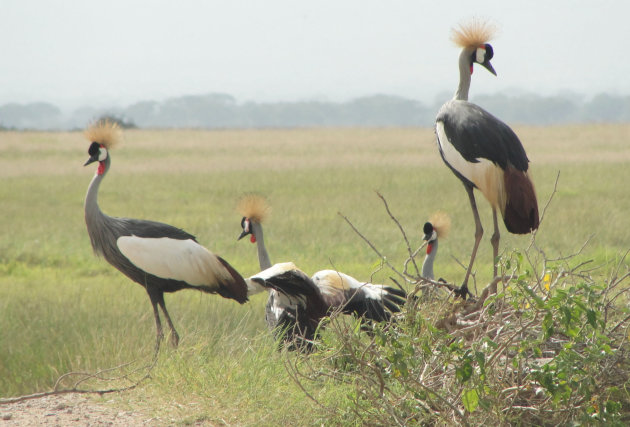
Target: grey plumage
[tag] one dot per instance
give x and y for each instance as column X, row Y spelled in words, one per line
column 158, row 256
column 483, row 152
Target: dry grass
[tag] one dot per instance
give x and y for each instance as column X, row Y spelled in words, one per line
column 244, row 150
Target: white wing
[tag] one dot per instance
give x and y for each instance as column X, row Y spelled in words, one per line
column 332, row 282
column 184, row 260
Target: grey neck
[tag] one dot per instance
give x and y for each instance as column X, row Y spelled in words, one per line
column 464, row 75
column 263, row 256
column 94, row 218
column 427, row 265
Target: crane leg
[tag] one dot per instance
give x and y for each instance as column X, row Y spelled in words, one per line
column 174, row 335
column 157, row 299
column 463, row 290
column 494, row 240
column 158, row 325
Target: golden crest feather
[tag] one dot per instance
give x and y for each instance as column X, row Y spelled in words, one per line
column 254, row 207
column 441, row 223
column 473, row 33
column 104, row 132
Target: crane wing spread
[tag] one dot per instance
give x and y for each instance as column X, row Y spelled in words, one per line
column 184, row 260
column 476, row 134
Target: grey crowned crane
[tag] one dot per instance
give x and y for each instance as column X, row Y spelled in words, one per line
column 482, row 151
column 295, row 300
column 438, row 226
column 160, row 257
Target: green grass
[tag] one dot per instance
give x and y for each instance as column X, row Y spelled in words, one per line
column 62, row 309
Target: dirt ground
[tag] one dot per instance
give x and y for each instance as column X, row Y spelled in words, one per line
column 69, row 410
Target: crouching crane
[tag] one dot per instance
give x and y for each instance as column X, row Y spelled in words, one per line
column 160, row 257
column 297, row 303
column 482, row 151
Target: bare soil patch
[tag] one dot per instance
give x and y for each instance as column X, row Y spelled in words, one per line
column 69, row 410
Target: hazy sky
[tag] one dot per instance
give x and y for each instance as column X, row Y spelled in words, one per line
column 115, row 52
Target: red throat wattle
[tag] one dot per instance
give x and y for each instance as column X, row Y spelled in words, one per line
column 429, row 248
column 252, row 239
column 101, row 168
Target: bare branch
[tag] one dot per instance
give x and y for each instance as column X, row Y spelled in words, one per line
column 381, row 256
column 402, row 231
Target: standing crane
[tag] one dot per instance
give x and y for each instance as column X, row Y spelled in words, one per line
column 296, row 298
column 482, row 151
column 160, row 257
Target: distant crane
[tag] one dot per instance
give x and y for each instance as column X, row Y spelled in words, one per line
column 482, row 151
column 160, row 257
column 296, row 299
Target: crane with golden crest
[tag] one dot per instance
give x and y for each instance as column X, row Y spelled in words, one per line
column 484, row 152
column 158, row 256
column 297, row 303
column 438, row 226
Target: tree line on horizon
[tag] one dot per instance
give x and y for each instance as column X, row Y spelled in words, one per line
column 220, row 111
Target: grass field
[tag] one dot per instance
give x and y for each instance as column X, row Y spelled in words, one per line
column 62, row 309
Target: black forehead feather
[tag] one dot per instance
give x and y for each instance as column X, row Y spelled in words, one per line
column 94, row 148
column 428, row 228
column 489, row 52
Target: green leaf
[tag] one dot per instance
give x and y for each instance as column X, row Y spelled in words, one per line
column 470, row 399
column 591, row 317
column 464, row 372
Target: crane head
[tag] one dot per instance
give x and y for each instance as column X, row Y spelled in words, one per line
column 473, row 36
column 482, row 56
column 97, row 153
column 247, row 229
column 430, row 233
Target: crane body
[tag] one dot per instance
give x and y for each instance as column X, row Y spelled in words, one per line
column 158, row 256
column 484, row 152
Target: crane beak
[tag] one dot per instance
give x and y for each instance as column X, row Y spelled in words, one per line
column 92, row 159
column 489, row 67
column 243, row 234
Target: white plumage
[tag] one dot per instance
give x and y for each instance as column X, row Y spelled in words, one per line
column 184, row 260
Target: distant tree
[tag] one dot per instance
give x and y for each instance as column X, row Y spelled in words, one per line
column 37, row 115
column 607, row 108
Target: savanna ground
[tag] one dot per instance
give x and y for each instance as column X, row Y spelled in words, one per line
column 63, row 310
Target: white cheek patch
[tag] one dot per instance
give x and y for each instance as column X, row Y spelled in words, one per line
column 102, row 154
column 481, row 55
